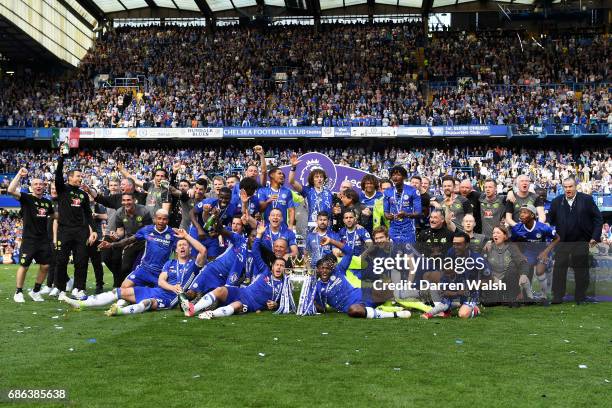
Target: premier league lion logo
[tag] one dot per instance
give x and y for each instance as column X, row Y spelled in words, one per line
column 312, row 161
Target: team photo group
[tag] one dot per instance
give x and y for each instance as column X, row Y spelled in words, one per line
column 230, row 245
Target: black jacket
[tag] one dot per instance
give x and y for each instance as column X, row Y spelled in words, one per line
column 115, row 200
column 581, row 223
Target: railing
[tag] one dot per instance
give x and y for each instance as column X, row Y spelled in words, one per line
column 464, row 169
column 563, row 129
column 126, row 82
column 357, row 128
column 573, row 86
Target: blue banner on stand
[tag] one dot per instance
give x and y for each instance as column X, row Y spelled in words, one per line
column 272, row 132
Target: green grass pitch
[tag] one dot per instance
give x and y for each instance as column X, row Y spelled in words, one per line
column 527, row 357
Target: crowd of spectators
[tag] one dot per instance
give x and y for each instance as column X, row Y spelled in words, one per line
column 557, row 108
column 334, row 75
column 547, row 168
column 510, row 57
column 11, row 227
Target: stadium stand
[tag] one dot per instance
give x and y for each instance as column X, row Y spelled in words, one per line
column 335, row 75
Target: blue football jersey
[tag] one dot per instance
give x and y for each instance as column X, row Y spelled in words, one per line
column 158, row 247
column 355, row 239
column 253, row 269
column 314, row 248
column 264, row 286
column 534, row 240
column 369, row 201
column 236, row 202
column 234, row 253
column 468, row 297
column 211, row 243
column 317, row 201
column 225, row 214
column 283, row 201
column 239, row 252
column 269, row 237
column 409, row 201
column 337, row 291
column 182, row 274
column 540, row 232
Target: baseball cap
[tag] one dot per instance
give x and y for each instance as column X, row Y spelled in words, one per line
column 529, row 207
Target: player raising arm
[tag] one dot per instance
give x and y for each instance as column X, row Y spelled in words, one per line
column 223, row 270
column 36, row 212
column 333, row 289
column 159, row 244
column 277, row 197
column 317, row 195
column 176, row 274
column 263, row 293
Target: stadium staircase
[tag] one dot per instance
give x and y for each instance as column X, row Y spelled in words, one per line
column 425, row 90
column 420, row 57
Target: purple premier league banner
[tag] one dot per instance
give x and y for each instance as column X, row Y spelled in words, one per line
column 336, row 173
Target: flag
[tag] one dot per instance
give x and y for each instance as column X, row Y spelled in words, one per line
column 63, row 134
column 73, row 138
column 55, row 138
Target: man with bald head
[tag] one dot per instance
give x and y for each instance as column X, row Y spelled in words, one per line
column 277, row 231
column 35, row 246
column 467, row 190
column 578, row 223
column 159, row 240
column 477, row 241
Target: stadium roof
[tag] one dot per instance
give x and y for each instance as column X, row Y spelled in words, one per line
column 111, row 9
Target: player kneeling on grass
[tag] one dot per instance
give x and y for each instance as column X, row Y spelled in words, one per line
column 536, row 241
column 457, row 279
column 263, row 293
column 333, row 289
column 176, row 275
